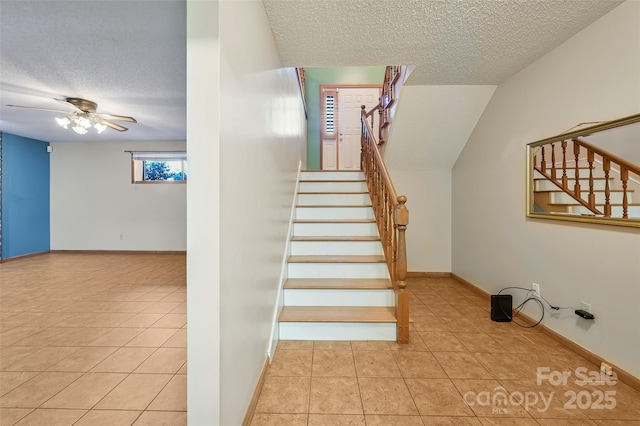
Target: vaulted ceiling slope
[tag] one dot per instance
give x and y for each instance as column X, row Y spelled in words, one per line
column 128, row 56
column 469, row 42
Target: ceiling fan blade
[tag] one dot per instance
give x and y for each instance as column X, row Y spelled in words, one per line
column 69, row 104
column 40, row 109
column 117, row 117
column 114, row 126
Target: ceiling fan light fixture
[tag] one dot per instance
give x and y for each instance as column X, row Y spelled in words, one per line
column 83, row 122
column 79, row 130
column 100, row 127
column 63, row 122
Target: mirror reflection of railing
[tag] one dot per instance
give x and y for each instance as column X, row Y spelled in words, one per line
column 571, row 178
column 392, row 217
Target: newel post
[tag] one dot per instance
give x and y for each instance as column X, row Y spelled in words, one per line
column 402, row 296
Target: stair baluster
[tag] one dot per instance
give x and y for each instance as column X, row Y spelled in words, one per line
column 624, row 177
column 606, row 166
column 565, row 178
column 576, row 154
column 592, row 195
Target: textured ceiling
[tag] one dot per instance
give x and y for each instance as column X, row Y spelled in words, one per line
column 128, row 56
column 466, row 42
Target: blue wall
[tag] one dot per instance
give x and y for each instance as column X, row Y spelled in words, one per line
column 25, row 196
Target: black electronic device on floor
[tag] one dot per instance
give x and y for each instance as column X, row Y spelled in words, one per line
column 501, row 307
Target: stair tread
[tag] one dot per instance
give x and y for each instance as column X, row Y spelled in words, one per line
column 597, row 204
column 585, row 191
column 334, row 221
column 338, row 238
column 337, row 259
column 374, row 314
column 331, row 171
column 331, row 180
column 339, row 283
column 333, row 192
column 333, row 206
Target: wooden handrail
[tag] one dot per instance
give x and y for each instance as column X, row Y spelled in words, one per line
column 392, row 217
column 611, row 157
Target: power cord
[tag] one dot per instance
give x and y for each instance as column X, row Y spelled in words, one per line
column 529, row 298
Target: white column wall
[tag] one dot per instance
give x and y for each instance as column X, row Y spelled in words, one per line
column 594, row 76
column 94, row 205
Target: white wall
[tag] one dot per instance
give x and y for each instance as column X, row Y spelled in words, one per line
column 203, row 214
column 258, row 143
column 594, row 76
column 94, row 203
column 430, row 126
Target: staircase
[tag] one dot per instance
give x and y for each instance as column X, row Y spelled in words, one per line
column 552, row 199
column 338, row 285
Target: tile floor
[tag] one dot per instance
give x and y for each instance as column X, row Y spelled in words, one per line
column 93, row 339
column 455, row 350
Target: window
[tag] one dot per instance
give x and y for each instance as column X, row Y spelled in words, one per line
column 158, row 166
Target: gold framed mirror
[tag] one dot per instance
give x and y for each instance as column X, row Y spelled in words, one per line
column 589, row 175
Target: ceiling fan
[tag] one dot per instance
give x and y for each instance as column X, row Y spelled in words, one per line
column 84, row 115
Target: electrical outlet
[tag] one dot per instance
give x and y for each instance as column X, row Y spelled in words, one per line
column 585, row 306
column 536, row 289
column 606, row 369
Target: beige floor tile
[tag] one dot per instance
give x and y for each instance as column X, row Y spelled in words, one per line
column 333, row 363
column 332, row 345
column 85, row 392
column 335, row 395
column 11, row 354
column 108, row 418
column 369, row 345
column 507, row 366
column 124, row 360
column 383, row 395
column 415, row 344
column 419, row 365
column 161, row 307
column 279, row 420
column 180, row 309
column 51, row 417
column 479, row 342
column 183, row 369
column 84, row 359
column 152, row 337
column 171, row 321
column 450, row 421
column 284, row 395
column 579, row 422
column 164, row 360
column 117, row 337
column 17, row 334
column 438, row 397
column 293, row 362
column 377, row 420
column 10, row 416
column 492, row 421
column 152, row 297
column 442, row 341
column 141, row 320
column 135, row 392
column 461, row 365
column 162, row 418
column 37, row 390
column 178, row 340
column 295, row 344
column 176, row 296
column 173, row 397
column 480, row 396
column 336, row 420
column 12, row 379
column 376, row 364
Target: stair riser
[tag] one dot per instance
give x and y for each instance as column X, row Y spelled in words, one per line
column 334, row 229
column 333, row 187
column 616, row 211
column 546, row 185
column 334, row 213
column 334, row 200
column 337, row 331
column 336, row 248
column 334, row 297
column 331, row 176
column 337, row 270
column 584, row 173
column 614, row 198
